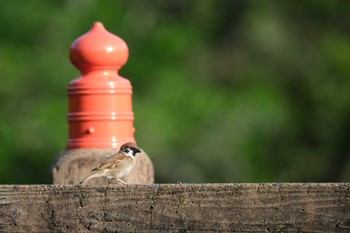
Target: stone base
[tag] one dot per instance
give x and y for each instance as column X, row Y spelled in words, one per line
column 71, row 166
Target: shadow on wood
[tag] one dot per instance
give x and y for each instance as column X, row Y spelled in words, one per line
column 176, row 207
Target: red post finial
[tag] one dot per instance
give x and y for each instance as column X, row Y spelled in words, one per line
column 98, row 49
column 100, row 105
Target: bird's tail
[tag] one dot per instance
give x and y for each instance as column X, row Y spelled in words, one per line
column 90, row 177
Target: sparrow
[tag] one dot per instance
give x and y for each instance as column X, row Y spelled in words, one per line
column 118, row 165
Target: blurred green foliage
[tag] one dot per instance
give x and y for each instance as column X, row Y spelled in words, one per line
column 224, row 91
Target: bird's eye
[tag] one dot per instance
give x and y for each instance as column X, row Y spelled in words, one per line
column 126, row 150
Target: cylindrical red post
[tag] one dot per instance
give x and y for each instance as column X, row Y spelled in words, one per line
column 100, row 106
column 100, row 113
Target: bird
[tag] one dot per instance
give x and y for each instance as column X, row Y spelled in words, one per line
column 118, row 165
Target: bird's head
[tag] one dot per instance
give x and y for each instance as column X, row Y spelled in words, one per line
column 130, row 149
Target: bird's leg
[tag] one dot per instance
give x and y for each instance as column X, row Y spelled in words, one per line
column 121, row 182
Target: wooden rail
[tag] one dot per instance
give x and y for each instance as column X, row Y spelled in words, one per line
column 176, row 208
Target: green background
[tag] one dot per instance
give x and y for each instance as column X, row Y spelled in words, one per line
column 224, row 91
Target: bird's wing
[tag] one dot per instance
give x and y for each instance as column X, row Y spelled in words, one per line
column 114, row 161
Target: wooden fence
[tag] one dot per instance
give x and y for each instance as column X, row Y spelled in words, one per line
column 176, row 208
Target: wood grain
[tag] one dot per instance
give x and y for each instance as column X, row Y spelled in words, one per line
column 176, row 208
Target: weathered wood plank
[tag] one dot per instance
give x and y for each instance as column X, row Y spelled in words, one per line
column 176, row 208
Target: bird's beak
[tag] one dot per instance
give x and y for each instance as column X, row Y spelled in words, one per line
column 137, row 150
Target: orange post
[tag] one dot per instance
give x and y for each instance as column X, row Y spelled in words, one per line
column 100, row 113
column 100, row 105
